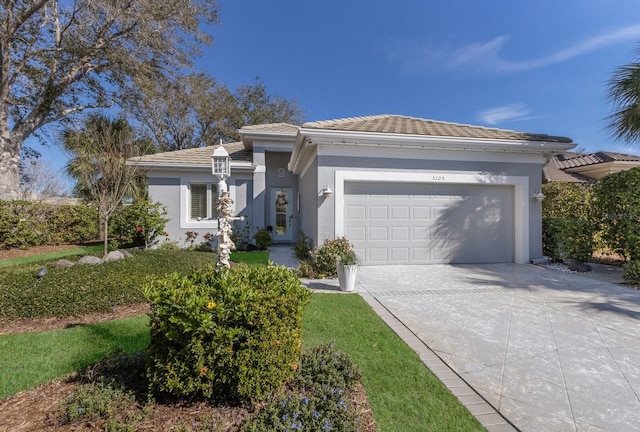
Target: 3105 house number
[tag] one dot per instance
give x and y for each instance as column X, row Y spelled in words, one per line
column 437, row 178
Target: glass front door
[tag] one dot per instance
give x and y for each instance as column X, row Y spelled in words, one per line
column 281, row 204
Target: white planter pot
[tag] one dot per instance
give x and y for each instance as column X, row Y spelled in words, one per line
column 347, row 277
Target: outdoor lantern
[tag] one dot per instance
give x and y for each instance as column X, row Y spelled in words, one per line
column 221, row 167
column 221, row 163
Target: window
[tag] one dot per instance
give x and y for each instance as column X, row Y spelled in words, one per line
column 203, row 200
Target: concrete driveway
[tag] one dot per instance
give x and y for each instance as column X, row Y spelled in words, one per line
column 549, row 351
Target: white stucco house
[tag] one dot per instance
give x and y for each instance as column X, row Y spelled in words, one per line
column 403, row 190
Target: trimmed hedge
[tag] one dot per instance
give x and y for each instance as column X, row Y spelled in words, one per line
column 618, row 208
column 568, row 238
column 24, row 224
column 89, row 288
column 233, row 335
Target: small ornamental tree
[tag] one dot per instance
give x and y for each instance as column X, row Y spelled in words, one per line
column 139, row 223
column 617, row 203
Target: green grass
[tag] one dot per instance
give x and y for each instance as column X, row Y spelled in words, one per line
column 258, row 258
column 29, row 359
column 80, row 250
column 404, row 395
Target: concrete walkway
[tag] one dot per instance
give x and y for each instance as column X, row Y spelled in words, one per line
column 549, row 351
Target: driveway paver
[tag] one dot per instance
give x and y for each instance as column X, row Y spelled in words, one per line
column 550, row 351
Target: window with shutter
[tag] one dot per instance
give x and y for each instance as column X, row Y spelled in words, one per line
column 198, row 201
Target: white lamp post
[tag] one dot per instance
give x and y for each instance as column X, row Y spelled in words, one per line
column 221, row 167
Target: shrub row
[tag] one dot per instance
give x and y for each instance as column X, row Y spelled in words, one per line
column 232, row 335
column 89, row 288
column 575, row 216
column 25, row 224
column 568, row 238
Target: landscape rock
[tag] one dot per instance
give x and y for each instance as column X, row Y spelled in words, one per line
column 577, row 266
column 114, row 256
column 90, row 259
column 62, row 263
column 126, row 253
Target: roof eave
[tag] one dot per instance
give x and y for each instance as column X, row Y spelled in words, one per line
column 248, row 136
column 311, row 137
column 177, row 166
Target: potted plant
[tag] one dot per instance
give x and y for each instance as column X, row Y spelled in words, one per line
column 347, row 267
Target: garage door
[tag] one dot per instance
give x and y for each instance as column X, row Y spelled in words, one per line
column 408, row 223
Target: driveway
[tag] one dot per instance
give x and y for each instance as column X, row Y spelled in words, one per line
column 550, row 351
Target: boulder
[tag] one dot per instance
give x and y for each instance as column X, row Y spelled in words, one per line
column 62, row 263
column 125, row 253
column 90, row 259
column 113, row 256
column 577, row 266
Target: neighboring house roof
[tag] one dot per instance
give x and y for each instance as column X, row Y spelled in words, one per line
column 403, row 125
column 585, row 168
column 199, row 157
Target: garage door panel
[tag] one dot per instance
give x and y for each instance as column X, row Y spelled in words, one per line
column 356, row 212
column 400, row 213
column 378, row 233
column 430, row 223
column 356, row 234
column 400, row 233
column 421, row 213
column 400, row 255
column 378, row 212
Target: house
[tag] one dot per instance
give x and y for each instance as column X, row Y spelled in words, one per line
column 586, row 168
column 403, row 190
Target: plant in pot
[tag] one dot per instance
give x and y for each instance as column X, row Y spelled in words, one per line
column 347, row 268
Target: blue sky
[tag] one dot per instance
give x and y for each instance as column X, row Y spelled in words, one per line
column 538, row 66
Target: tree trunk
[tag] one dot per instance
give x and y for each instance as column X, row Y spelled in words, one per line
column 9, row 164
column 106, row 236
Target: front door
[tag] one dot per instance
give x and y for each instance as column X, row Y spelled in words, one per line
column 281, row 217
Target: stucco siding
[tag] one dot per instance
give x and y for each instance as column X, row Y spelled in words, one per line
column 172, row 191
column 310, row 201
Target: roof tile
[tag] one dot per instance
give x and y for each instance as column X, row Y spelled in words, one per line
column 396, row 124
column 196, row 156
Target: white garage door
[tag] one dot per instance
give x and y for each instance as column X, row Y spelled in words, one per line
column 408, row 223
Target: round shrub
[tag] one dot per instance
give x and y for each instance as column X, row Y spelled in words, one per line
column 324, row 366
column 233, row 335
column 325, row 257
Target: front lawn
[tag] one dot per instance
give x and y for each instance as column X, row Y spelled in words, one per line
column 403, row 393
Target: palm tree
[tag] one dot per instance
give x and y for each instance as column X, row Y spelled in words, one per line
column 624, row 92
column 98, row 154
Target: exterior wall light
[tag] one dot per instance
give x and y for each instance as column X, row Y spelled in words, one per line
column 326, row 192
column 539, row 196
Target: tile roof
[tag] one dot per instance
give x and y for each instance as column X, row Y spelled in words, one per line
column 572, row 160
column 396, row 124
column 551, row 173
column 272, row 127
column 196, row 156
column 560, row 165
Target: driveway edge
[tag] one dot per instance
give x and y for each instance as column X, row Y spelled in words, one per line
column 486, row 414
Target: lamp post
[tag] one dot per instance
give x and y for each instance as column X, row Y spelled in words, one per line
column 221, row 168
